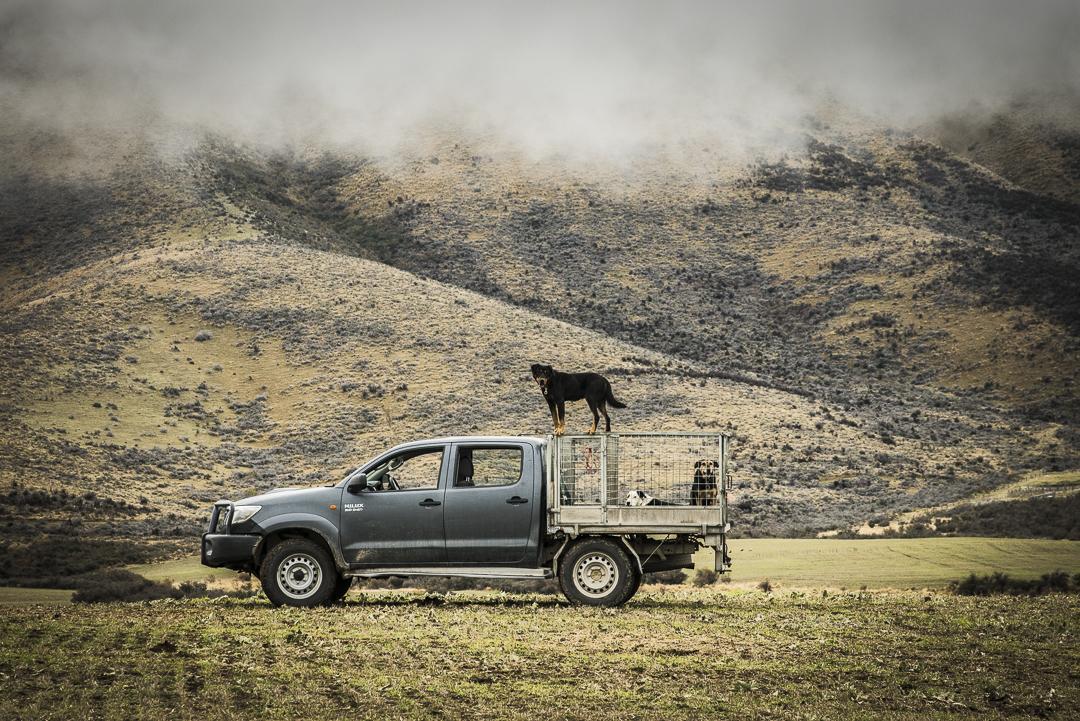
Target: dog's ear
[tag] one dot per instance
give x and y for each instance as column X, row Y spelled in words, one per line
column 698, row 464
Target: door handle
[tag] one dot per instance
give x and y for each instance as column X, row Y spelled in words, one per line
column 517, row 500
column 430, row 503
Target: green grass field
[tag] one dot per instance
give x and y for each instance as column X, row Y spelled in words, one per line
column 827, row 563
column 787, row 563
column 675, row 653
column 894, row 563
column 20, row 596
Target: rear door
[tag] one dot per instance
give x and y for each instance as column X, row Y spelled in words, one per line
column 400, row 523
column 492, row 504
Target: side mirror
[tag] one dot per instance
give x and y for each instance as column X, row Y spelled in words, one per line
column 360, row 483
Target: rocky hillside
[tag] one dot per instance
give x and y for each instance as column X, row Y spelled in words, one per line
column 882, row 324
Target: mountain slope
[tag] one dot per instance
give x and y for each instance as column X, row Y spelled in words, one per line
column 235, row 322
column 884, row 258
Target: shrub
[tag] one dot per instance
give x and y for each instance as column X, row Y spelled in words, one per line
column 666, row 578
column 1001, row 583
column 120, row 585
column 1040, row 517
column 705, row 577
column 765, row 586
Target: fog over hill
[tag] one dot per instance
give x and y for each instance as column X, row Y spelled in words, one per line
column 249, row 245
column 606, row 79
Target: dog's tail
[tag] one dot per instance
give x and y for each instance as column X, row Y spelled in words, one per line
column 611, row 400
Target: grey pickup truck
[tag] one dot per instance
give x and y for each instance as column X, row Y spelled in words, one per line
column 594, row 511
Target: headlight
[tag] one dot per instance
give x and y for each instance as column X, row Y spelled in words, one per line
column 244, row 513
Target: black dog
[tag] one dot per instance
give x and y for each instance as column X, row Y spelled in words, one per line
column 703, row 491
column 561, row 387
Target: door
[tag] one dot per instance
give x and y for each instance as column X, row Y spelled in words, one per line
column 491, row 505
column 398, row 519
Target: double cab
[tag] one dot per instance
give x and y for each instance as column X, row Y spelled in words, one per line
column 595, row 512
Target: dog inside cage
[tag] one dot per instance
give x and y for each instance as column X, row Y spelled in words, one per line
column 640, row 470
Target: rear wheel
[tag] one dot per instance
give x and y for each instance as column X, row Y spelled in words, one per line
column 299, row 572
column 598, row 572
column 637, row 581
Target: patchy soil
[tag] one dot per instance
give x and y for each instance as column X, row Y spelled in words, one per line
column 673, row 654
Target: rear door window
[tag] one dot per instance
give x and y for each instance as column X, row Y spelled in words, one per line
column 487, row 467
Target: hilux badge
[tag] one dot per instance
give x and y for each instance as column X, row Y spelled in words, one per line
column 354, row 507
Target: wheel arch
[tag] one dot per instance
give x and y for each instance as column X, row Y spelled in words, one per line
column 313, row 528
column 556, row 562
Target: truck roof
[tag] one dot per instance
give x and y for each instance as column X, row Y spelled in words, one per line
column 474, row 439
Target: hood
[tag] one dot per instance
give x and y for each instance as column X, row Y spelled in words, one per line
column 282, row 495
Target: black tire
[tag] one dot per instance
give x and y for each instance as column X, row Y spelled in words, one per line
column 343, row 585
column 598, row 572
column 638, row 575
column 298, row 572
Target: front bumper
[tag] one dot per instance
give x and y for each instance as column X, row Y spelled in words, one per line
column 221, row 547
column 229, row 550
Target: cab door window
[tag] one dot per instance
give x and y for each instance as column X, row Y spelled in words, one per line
column 416, row 470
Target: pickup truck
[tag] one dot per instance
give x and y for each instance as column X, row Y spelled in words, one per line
column 594, row 511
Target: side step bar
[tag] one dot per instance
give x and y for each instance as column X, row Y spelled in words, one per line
column 462, row 571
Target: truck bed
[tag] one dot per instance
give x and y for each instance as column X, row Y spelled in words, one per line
column 589, row 477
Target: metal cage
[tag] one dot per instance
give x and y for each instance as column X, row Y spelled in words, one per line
column 651, row 482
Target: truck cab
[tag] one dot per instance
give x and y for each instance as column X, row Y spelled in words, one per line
column 487, row 506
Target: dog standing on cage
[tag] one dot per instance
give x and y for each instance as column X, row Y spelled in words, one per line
column 560, row 387
column 704, row 488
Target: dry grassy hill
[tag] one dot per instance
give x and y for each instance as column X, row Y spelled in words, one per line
column 1033, row 142
column 882, row 325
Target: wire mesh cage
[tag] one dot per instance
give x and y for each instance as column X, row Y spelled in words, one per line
column 640, row 469
column 580, row 470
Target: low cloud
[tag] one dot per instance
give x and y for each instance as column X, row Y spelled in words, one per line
column 593, row 78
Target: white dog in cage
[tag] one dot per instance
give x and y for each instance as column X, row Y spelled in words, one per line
column 641, row 498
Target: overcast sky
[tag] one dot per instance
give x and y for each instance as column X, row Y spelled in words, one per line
column 602, row 77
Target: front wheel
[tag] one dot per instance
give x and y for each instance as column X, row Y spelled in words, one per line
column 343, row 585
column 299, row 572
column 598, row 572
